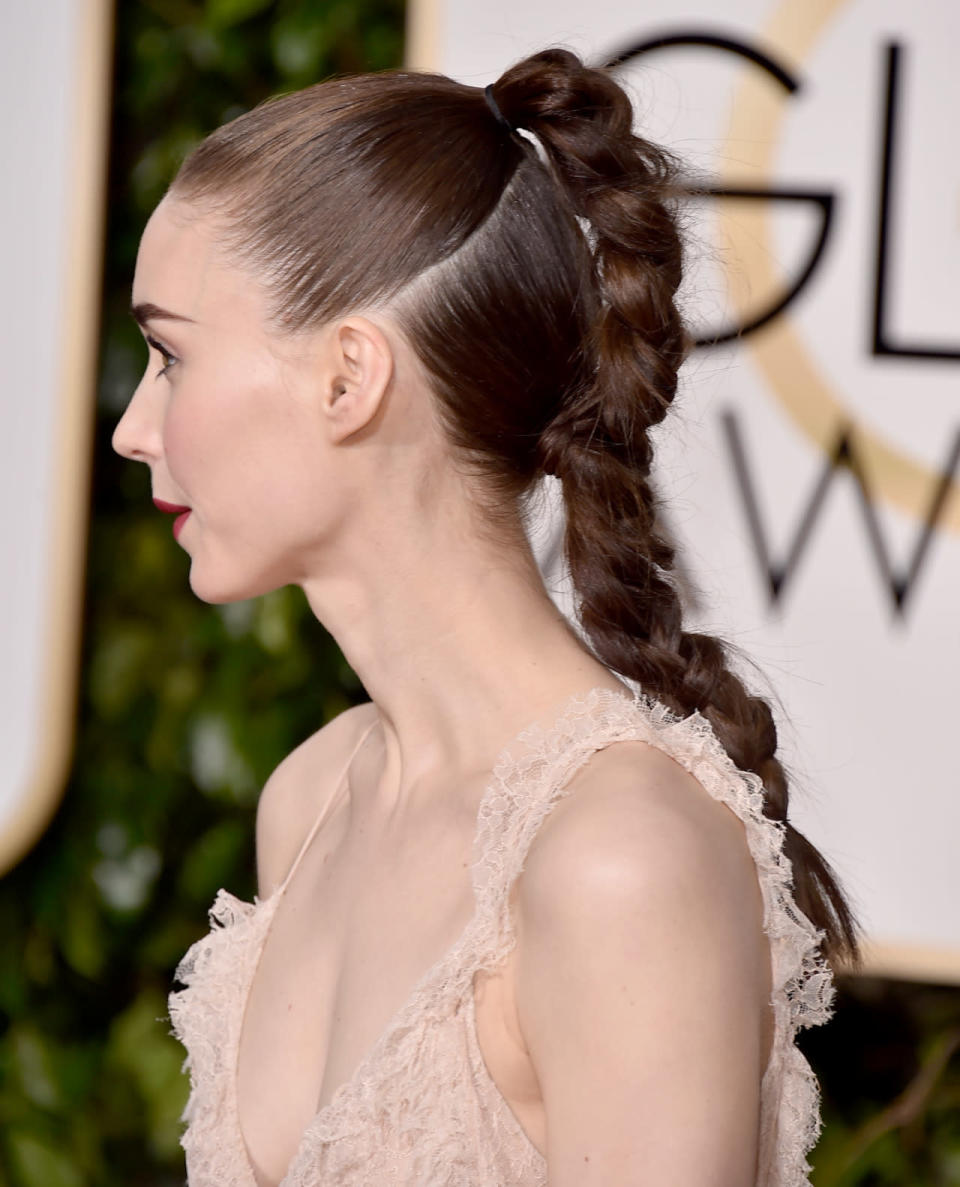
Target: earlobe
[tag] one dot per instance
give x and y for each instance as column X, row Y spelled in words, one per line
column 360, row 377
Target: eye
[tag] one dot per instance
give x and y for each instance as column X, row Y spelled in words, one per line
column 166, row 357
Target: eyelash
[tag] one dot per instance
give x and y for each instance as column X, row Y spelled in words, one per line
column 164, row 354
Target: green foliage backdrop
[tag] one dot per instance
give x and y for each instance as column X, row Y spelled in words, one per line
column 185, row 709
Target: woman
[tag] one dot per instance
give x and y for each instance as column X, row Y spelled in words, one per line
column 380, row 311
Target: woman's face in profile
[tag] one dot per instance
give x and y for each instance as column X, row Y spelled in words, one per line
column 222, row 415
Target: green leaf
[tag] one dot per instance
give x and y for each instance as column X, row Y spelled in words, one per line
column 211, row 859
column 140, row 1045
column 37, row 1162
column 35, row 1067
column 222, row 14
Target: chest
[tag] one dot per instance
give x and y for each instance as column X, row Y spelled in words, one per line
column 370, row 912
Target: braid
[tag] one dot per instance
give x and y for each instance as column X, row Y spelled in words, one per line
column 598, row 441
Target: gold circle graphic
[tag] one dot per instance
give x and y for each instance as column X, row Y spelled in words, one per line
column 785, row 362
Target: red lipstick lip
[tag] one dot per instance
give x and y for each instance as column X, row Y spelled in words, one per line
column 171, row 507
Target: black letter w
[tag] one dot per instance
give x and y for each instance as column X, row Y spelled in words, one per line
column 775, row 575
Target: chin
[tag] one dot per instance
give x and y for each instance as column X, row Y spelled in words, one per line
column 222, row 590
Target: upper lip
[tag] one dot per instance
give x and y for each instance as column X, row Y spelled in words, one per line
column 162, row 506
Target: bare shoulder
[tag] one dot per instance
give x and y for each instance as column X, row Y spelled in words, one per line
column 298, row 787
column 641, row 977
column 636, row 823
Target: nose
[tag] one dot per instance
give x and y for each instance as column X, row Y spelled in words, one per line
column 137, row 435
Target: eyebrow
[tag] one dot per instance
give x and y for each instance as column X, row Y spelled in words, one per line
column 146, row 311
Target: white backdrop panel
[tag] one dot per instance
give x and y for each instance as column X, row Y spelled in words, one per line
column 867, row 687
column 54, row 78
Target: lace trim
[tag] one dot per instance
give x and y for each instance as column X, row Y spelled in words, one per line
column 528, row 780
column 205, row 1017
column 537, row 768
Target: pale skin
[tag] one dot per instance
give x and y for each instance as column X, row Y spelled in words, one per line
column 630, row 1028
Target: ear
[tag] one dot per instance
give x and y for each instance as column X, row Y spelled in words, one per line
column 358, row 372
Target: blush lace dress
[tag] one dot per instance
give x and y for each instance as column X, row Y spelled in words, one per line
column 421, row 1110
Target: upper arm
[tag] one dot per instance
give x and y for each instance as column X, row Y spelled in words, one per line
column 641, row 979
column 295, row 792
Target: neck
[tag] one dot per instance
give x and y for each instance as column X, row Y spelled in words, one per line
column 453, row 636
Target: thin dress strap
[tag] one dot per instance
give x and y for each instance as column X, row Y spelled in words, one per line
column 342, row 783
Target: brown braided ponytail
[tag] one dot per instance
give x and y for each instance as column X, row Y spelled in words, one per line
column 598, row 442
column 549, row 349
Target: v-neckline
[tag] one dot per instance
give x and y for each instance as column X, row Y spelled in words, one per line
column 503, row 766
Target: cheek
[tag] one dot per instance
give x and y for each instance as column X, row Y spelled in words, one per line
column 179, row 438
column 207, row 417
column 237, row 451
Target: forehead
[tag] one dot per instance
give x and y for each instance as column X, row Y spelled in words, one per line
column 182, row 267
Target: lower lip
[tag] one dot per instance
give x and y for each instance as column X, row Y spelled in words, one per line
column 178, row 524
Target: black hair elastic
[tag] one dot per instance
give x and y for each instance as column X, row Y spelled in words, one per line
column 492, row 104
